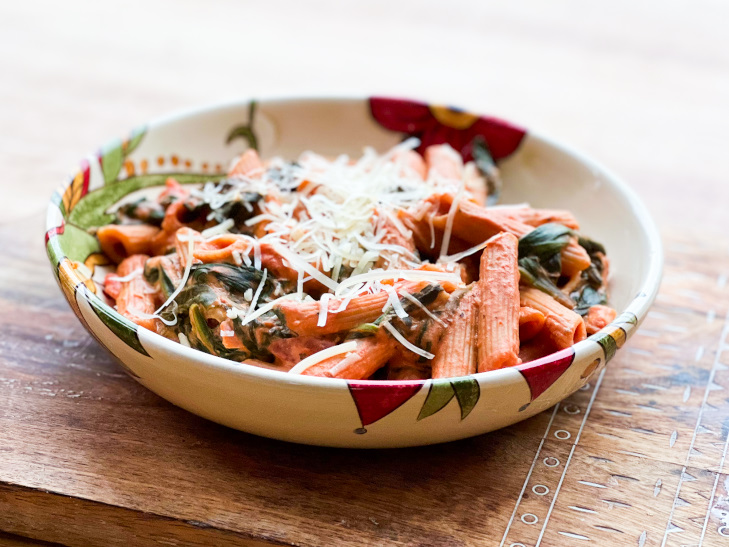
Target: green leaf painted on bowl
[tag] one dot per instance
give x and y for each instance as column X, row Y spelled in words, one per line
column 112, row 158
column 134, row 139
column 467, row 392
column 77, row 244
column 440, row 394
column 246, row 131
column 91, row 210
column 627, row 318
column 118, row 324
column 608, row 343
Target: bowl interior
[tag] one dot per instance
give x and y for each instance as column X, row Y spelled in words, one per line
column 197, row 146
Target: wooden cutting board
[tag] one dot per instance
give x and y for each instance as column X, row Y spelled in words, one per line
column 638, row 457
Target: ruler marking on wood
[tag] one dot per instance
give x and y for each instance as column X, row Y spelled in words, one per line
column 713, row 490
column 708, row 509
column 529, row 474
column 569, row 458
column 670, row 527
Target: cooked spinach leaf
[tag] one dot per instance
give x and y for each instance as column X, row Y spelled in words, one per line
column 533, row 274
column 588, row 297
column 235, row 278
column 545, row 241
column 202, row 334
column 592, row 247
column 240, row 209
column 157, row 274
column 202, row 295
column 593, row 275
column 487, row 167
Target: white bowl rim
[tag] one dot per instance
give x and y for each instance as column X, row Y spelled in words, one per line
column 649, row 287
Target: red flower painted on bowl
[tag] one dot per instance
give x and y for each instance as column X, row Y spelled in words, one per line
column 446, row 125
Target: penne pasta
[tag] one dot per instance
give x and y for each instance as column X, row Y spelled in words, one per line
column 476, row 224
column 119, row 241
column 136, row 298
column 498, row 286
column 303, row 318
column 443, row 162
column 247, row 165
column 563, row 326
column 537, row 217
column 371, row 354
column 393, row 266
column 412, row 162
column 457, row 353
column 536, row 348
column 598, row 317
column 531, row 322
column 173, row 191
column 574, row 258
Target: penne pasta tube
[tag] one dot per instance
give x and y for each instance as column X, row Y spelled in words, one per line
column 408, row 371
column 136, row 299
column 476, row 224
column 457, row 353
column 531, row 322
column 173, row 191
column 371, row 354
column 572, row 284
column 247, row 165
column 172, row 222
column 536, row 348
column 537, row 217
column 443, row 162
column 412, row 163
column 428, row 241
column 119, row 241
column 564, row 327
column 222, row 248
column 186, row 239
column 598, row 317
column 574, row 258
column 498, row 323
column 289, row 351
column 475, row 184
column 303, row 318
column 391, row 234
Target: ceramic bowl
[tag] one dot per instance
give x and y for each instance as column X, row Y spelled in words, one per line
column 198, row 145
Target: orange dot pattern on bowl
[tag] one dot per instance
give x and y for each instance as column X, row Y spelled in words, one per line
column 142, row 167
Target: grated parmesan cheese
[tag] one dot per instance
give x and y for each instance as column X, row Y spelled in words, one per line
column 128, row 277
column 322, row 355
column 400, row 338
column 450, row 218
column 323, row 308
column 221, row 228
column 407, row 296
column 257, row 294
column 183, row 281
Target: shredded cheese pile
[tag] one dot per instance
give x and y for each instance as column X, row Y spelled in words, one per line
column 333, row 221
column 332, row 228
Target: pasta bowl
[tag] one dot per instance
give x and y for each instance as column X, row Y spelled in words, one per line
column 196, row 146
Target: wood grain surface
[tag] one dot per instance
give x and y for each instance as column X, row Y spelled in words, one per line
column 89, row 457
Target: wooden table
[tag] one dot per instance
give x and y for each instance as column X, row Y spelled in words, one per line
column 89, row 457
